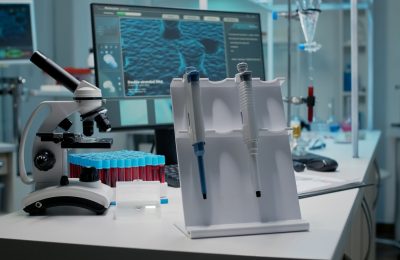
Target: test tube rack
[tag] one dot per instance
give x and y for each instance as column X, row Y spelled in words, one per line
column 231, row 207
column 113, row 166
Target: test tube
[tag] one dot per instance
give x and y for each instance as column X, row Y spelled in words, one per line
column 142, row 168
column 121, row 169
column 76, row 166
column 113, row 172
column 161, row 169
column 98, row 164
column 81, row 163
column 106, row 169
column 135, row 168
column 128, row 169
column 154, row 164
column 149, row 167
column 71, row 165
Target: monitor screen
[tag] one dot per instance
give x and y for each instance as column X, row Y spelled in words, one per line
column 139, row 50
column 17, row 39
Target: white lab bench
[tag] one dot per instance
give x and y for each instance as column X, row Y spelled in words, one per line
column 337, row 227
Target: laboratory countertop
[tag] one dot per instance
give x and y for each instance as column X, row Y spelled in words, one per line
column 329, row 216
column 7, row 147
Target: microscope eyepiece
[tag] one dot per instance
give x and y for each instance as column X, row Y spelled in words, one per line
column 54, row 70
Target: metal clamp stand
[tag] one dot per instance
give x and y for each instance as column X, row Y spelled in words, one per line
column 13, row 86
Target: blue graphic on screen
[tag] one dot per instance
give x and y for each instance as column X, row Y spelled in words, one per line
column 154, row 51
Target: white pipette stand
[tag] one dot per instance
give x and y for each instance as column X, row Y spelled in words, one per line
column 231, row 207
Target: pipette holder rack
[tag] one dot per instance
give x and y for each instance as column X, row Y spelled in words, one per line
column 231, row 207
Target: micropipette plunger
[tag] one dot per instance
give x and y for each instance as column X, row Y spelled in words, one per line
column 249, row 121
column 196, row 124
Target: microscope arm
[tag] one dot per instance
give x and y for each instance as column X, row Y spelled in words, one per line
column 59, row 110
column 57, row 114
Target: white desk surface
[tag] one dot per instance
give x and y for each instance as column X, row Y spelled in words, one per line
column 328, row 215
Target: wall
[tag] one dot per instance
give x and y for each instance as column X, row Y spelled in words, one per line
column 386, row 98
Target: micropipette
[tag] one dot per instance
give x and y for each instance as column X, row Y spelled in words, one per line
column 250, row 126
column 196, row 124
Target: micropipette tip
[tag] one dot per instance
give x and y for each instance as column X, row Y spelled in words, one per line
column 258, row 194
column 199, row 152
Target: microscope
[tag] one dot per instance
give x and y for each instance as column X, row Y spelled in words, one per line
column 52, row 187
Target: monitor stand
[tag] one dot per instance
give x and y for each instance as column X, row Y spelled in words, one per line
column 165, row 144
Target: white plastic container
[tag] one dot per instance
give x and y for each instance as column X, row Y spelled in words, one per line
column 137, row 200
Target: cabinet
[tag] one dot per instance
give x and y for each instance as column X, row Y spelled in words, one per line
column 13, row 189
column 6, row 169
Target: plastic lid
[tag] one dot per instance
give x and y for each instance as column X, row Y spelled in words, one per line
column 154, row 160
column 163, row 200
column 72, row 158
column 121, row 163
column 149, row 160
column 83, row 162
column 106, row 164
column 134, row 162
column 113, row 163
column 97, row 163
column 128, row 163
column 161, row 159
column 142, row 161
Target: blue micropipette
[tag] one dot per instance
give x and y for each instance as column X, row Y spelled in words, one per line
column 249, row 121
column 196, row 124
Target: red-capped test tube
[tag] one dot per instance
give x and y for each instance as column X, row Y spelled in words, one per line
column 161, row 168
column 135, row 168
column 128, row 169
column 113, row 172
column 142, row 168
column 155, row 169
column 121, row 169
column 106, row 170
column 98, row 164
column 149, row 167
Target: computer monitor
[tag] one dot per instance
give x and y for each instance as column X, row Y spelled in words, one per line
column 17, row 31
column 139, row 50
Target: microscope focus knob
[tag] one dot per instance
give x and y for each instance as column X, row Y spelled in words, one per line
column 89, row 174
column 44, row 160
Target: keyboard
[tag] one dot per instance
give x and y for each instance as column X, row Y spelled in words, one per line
column 172, row 175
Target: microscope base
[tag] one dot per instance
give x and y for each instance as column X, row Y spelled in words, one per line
column 93, row 196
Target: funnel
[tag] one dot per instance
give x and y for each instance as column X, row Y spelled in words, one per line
column 309, row 12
